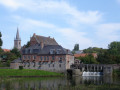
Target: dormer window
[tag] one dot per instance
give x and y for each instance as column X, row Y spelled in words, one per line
column 29, row 51
column 35, row 50
column 58, row 51
column 52, row 51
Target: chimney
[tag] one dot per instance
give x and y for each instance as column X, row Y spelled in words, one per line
column 42, row 45
column 34, row 34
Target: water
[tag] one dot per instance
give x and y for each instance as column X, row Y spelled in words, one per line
column 60, row 83
column 92, row 73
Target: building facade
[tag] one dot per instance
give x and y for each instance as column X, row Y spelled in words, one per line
column 17, row 41
column 44, row 53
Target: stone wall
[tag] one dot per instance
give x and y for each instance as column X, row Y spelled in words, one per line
column 15, row 65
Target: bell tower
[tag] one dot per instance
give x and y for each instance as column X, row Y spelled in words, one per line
column 17, row 41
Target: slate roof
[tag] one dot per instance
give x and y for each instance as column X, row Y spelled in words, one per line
column 46, row 40
column 36, row 49
column 17, row 61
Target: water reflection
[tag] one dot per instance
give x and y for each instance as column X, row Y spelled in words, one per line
column 52, row 83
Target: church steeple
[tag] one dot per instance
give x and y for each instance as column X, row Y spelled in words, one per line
column 17, row 41
column 17, row 34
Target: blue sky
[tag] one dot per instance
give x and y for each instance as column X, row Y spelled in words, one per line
column 91, row 23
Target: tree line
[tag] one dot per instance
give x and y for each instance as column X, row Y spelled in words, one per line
column 104, row 56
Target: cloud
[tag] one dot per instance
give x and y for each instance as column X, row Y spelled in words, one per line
column 11, row 4
column 109, row 32
column 62, row 8
column 68, row 35
column 72, row 37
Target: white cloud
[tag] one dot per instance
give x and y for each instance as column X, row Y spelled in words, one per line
column 72, row 37
column 70, row 13
column 11, row 4
column 108, row 32
column 68, row 35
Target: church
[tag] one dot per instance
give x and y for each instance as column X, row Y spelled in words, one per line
column 44, row 53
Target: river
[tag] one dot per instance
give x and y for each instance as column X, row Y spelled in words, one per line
column 60, row 83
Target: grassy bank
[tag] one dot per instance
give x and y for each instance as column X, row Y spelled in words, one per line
column 27, row 72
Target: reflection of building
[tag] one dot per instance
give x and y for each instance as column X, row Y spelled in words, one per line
column 17, row 41
column 44, row 53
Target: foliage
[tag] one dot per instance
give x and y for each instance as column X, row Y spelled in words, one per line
column 88, row 59
column 27, row 45
column 16, row 52
column 8, row 57
column 110, row 56
column 0, row 40
column 76, row 47
column 93, row 50
column 27, row 72
column 116, row 73
column 20, row 67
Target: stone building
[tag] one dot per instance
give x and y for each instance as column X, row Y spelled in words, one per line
column 17, row 41
column 44, row 53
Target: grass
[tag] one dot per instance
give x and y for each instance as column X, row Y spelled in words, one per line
column 27, row 72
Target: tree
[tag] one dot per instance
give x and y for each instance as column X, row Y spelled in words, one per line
column 76, row 47
column 27, row 45
column 110, row 56
column 93, row 50
column 88, row 59
column 16, row 52
column 0, row 40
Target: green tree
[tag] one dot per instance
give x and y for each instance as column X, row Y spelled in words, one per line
column 0, row 40
column 16, row 52
column 110, row 56
column 76, row 47
column 28, row 44
column 88, row 59
column 93, row 50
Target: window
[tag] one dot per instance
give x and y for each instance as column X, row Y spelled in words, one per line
column 47, row 57
column 44, row 57
column 52, row 51
column 53, row 58
column 29, row 51
column 49, row 65
column 24, row 57
column 28, row 57
column 53, row 65
column 41, row 58
column 35, row 50
column 34, row 57
column 58, row 51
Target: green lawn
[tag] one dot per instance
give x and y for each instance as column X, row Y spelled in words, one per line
column 27, row 72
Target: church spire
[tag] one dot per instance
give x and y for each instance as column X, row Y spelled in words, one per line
column 17, row 41
column 17, row 34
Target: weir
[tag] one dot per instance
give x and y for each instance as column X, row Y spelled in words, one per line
column 91, row 70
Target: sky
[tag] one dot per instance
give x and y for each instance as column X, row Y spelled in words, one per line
column 90, row 23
